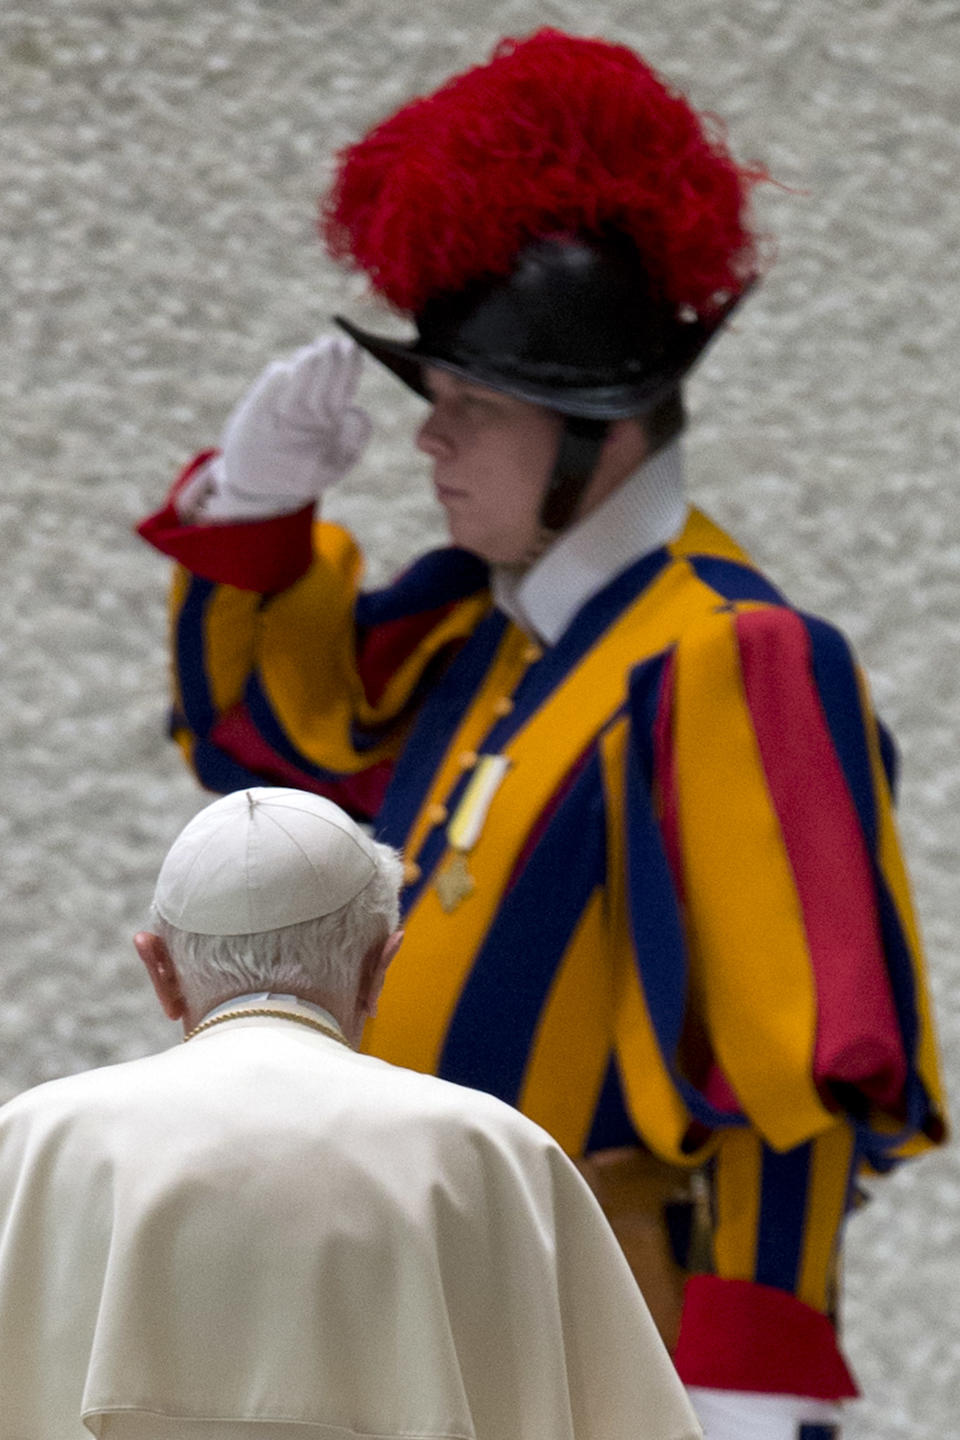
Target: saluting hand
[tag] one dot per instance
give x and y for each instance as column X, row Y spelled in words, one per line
column 294, row 434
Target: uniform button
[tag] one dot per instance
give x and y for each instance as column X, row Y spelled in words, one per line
column 437, row 814
column 411, row 872
column 467, row 759
column 533, row 653
column 503, row 706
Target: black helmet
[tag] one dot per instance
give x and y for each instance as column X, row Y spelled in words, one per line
column 574, row 327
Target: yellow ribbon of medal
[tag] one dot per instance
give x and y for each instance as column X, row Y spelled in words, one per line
column 455, row 883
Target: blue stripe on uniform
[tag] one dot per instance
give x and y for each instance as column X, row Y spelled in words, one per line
column 217, row 771
column 876, row 1145
column 890, row 757
column 198, row 707
column 836, row 682
column 835, row 677
column 441, row 714
column 783, row 1210
column 612, row 1127
column 436, row 579
column 493, row 1028
column 734, row 581
column 657, row 932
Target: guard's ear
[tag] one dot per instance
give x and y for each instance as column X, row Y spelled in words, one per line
column 163, row 973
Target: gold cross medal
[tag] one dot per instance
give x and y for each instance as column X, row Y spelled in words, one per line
column 455, row 884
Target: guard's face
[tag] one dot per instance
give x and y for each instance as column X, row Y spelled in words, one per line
column 492, row 456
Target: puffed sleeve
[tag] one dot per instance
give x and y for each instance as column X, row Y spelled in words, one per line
column 284, row 671
column 797, row 991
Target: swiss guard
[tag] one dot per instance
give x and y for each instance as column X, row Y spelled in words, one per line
column 654, row 895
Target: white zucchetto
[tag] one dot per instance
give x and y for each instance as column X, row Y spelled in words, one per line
column 261, row 859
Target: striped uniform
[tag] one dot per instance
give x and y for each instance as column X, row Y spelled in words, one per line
column 671, row 903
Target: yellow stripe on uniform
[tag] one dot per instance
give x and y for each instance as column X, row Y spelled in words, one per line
column 831, row 1159
column 571, row 1049
column 228, row 638
column 308, row 671
column 228, row 644
column 184, row 738
column 748, row 948
column 738, row 1188
column 179, row 586
column 700, row 536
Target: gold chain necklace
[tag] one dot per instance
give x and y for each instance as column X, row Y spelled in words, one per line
column 264, row 1010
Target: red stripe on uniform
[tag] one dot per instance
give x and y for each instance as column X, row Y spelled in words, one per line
column 361, row 794
column 664, row 769
column 384, row 648
column 858, row 1039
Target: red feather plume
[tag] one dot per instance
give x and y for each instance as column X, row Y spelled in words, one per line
column 554, row 134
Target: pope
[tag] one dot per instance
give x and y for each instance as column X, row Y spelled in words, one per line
column 260, row 1232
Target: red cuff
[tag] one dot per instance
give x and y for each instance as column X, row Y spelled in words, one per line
column 737, row 1335
column 261, row 555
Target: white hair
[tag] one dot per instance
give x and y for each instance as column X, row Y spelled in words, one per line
column 316, row 956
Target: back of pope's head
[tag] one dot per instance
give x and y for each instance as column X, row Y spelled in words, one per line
column 274, row 889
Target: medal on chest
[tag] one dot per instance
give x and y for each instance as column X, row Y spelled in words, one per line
column 454, row 884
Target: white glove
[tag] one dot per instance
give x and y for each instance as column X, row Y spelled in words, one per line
column 743, row 1415
column 294, row 434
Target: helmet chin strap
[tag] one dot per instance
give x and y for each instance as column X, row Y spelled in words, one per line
column 581, row 441
column 580, row 444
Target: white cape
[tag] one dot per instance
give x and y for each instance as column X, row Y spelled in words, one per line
column 263, row 1234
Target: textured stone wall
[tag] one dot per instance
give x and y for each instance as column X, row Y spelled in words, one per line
column 159, row 164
